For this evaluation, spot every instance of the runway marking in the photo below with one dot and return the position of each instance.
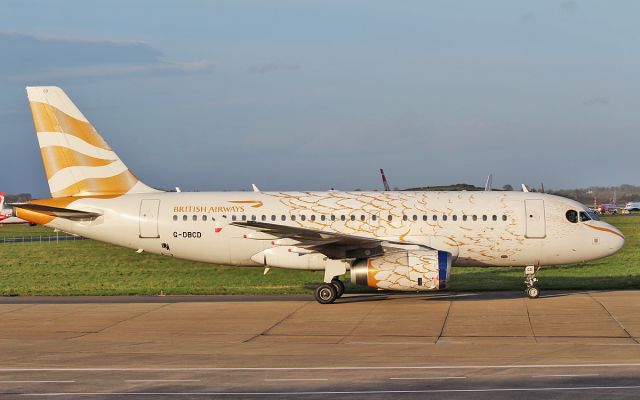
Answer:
(346, 368)
(37, 381)
(295, 379)
(162, 380)
(431, 377)
(563, 376)
(483, 390)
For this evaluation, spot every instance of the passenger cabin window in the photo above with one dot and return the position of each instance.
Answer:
(464, 217)
(313, 217)
(362, 217)
(293, 217)
(204, 217)
(303, 217)
(390, 218)
(184, 217)
(195, 217)
(504, 217)
(353, 217)
(175, 217)
(404, 217)
(264, 218)
(455, 217)
(343, 218)
(424, 217)
(494, 217)
(244, 217)
(273, 217)
(333, 217)
(484, 217)
(283, 217)
(253, 218)
(444, 217)
(435, 217)
(322, 217)
(415, 217)
(373, 217)
(233, 217)
(475, 217)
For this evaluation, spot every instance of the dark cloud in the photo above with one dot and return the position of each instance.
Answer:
(271, 67)
(596, 101)
(37, 57)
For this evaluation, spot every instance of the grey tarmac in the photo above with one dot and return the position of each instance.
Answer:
(454, 346)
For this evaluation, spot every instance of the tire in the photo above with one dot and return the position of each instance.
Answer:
(533, 292)
(326, 293)
(339, 287)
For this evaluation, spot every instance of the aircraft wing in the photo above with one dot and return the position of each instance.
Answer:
(310, 237)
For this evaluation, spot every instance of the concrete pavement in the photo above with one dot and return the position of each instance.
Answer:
(579, 344)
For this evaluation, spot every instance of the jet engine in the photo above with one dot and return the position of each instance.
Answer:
(411, 269)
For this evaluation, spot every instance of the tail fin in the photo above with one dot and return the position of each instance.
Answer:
(2, 194)
(78, 162)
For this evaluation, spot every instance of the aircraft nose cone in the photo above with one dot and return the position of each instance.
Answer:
(615, 239)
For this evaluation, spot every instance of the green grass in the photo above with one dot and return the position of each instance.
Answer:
(93, 268)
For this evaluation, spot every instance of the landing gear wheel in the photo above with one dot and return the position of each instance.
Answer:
(533, 292)
(339, 287)
(326, 293)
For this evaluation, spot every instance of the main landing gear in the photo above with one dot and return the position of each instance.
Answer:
(530, 280)
(327, 293)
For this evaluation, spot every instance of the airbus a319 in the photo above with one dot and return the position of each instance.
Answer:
(405, 241)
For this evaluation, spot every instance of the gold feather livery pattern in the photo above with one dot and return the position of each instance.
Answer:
(77, 160)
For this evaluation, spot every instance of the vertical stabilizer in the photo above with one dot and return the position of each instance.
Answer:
(77, 160)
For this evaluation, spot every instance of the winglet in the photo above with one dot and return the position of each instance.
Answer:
(254, 187)
(525, 188)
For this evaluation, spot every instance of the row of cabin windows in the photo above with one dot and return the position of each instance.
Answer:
(362, 217)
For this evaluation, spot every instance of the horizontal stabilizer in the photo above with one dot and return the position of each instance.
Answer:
(59, 212)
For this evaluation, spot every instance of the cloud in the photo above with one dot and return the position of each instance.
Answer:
(596, 101)
(42, 57)
(271, 67)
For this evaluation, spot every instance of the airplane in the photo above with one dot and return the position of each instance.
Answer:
(6, 214)
(609, 208)
(632, 206)
(402, 241)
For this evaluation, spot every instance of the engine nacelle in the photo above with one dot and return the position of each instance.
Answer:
(415, 269)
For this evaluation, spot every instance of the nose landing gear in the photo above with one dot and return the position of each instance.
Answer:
(530, 280)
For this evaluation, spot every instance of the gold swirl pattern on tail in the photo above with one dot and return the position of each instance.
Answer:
(77, 160)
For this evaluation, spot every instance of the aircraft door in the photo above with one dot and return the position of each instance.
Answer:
(149, 210)
(536, 224)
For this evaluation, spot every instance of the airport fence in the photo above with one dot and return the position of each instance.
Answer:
(40, 239)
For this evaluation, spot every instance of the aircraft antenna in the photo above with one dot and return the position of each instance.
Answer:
(384, 181)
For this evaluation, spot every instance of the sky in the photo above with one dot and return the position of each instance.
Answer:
(312, 95)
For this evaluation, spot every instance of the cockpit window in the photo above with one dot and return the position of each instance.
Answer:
(592, 215)
(584, 216)
(572, 216)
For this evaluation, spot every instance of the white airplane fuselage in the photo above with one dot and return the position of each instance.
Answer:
(477, 228)
(388, 240)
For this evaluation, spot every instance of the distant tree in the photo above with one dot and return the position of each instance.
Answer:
(507, 187)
